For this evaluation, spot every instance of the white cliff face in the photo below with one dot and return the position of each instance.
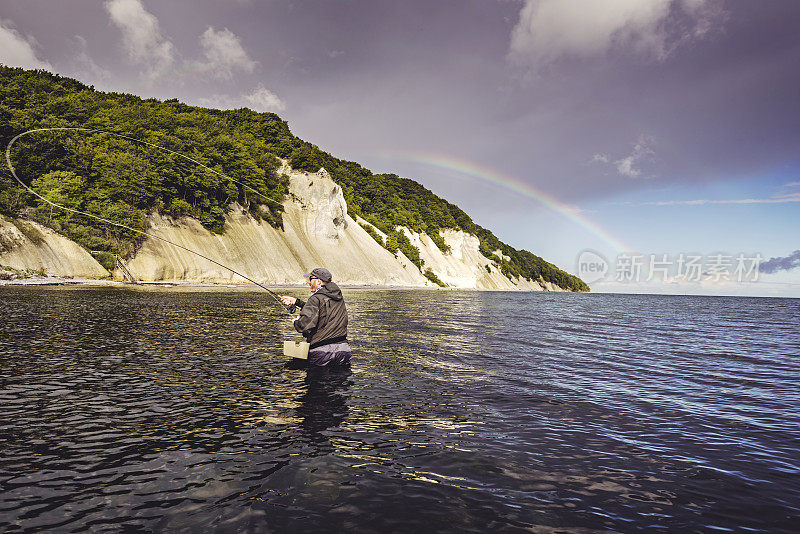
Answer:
(42, 249)
(317, 232)
(320, 196)
(464, 266)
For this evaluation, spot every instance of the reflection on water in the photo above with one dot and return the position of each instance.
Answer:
(323, 404)
(172, 410)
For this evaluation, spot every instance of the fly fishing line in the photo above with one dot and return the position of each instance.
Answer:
(126, 227)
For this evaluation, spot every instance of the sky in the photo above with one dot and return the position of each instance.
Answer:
(643, 135)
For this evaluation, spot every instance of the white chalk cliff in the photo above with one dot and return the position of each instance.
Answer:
(317, 232)
(26, 245)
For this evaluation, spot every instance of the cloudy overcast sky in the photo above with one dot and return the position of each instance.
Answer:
(650, 126)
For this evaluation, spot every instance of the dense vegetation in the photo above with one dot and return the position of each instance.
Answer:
(124, 181)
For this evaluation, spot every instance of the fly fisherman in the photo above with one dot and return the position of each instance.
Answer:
(323, 320)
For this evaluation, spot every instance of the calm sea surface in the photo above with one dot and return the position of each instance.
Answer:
(172, 410)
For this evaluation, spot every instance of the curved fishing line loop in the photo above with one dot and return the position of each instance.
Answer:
(120, 225)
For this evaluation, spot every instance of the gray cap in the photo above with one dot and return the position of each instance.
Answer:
(322, 273)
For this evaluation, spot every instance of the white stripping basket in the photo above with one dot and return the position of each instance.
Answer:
(296, 349)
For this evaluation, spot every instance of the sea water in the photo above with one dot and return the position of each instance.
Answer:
(173, 410)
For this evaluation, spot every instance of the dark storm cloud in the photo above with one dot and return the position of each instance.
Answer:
(719, 107)
(787, 263)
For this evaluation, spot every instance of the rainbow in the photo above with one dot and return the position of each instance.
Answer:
(475, 170)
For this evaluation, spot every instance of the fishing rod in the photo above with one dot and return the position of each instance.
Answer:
(120, 225)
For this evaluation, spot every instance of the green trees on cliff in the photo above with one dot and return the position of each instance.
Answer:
(124, 181)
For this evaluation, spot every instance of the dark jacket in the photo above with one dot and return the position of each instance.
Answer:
(323, 318)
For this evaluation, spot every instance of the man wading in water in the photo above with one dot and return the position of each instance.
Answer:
(323, 320)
